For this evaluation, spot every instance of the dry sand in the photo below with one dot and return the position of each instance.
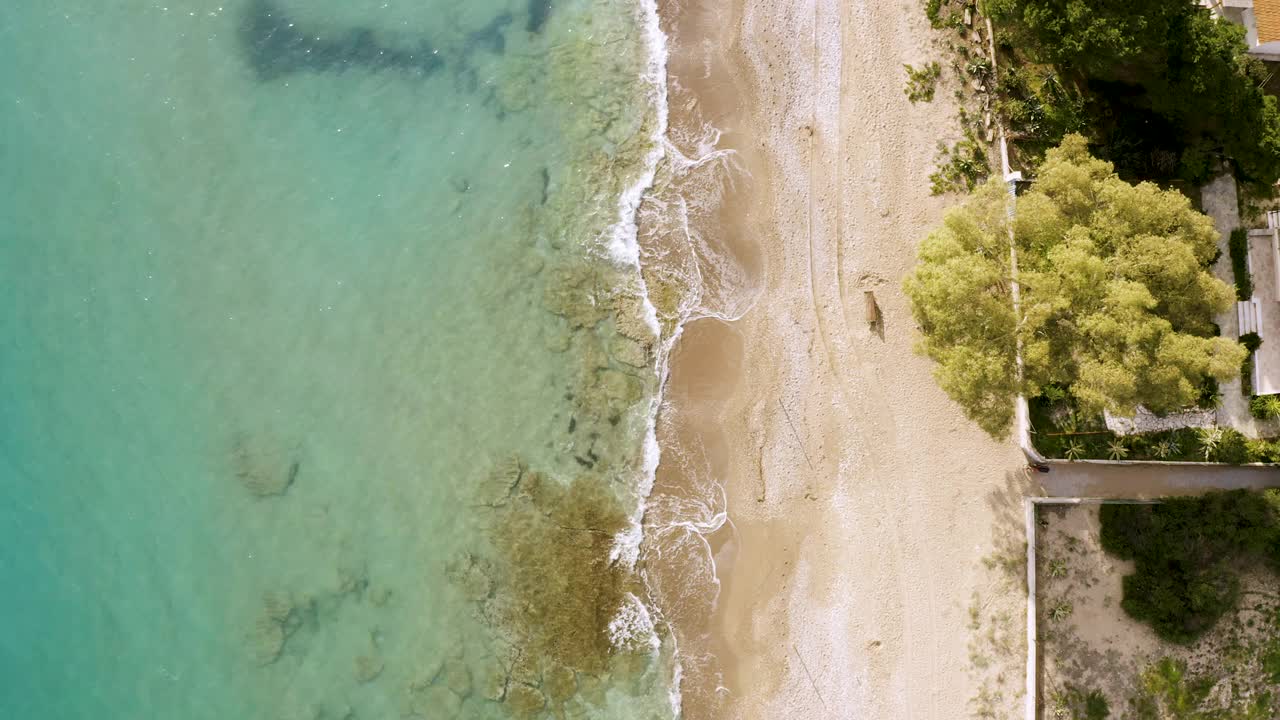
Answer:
(861, 503)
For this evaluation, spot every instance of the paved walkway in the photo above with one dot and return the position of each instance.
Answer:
(1145, 480)
(1220, 202)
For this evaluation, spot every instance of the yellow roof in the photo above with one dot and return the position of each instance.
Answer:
(1267, 15)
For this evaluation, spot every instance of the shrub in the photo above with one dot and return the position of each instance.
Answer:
(1271, 662)
(1060, 611)
(1263, 451)
(1080, 704)
(1165, 448)
(1209, 439)
(1095, 706)
(1210, 394)
(1251, 341)
(1265, 407)
(1232, 448)
(961, 168)
(1185, 551)
(922, 83)
(944, 13)
(1238, 246)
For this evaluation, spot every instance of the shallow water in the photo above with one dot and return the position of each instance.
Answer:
(312, 355)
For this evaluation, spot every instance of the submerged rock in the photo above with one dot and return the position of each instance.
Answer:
(619, 388)
(427, 676)
(496, 488)
(575, 293)
(268, 640)
(560, 684)
(592, 690)
(277, 606)
(558, 341)
(555, 583)
(457, 677)
(379, 596)
(435, 702)
(367, 668)
(263, 470)
(494, 684)
(629, 352)
(352, 580)
(524, 701)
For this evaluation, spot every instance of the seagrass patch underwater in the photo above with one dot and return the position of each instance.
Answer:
(325, 391)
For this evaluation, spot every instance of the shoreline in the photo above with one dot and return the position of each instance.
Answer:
(860, 504)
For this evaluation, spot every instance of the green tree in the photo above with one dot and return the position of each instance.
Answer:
(1117, 301)
(1168, 89)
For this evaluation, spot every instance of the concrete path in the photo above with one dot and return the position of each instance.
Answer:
(1147, 480)
(1220, 202)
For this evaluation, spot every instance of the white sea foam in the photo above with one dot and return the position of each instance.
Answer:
(693, 521)
(633, 621)
(632, 628)
(621, 242)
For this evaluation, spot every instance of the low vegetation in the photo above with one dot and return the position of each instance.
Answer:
(1117, 299)
(961, 168)
(1238, 246)
(922, 83)
(1060, 430)
(1169, 691)
(1251, 343)
(1079, 704)
(1187, 552)
(1265, 407)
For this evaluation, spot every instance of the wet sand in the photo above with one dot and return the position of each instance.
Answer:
(861, 504)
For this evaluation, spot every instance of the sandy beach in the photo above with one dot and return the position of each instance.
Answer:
(868, 564)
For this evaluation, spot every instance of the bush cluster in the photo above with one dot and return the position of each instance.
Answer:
(1186, 551)
(1238, 246)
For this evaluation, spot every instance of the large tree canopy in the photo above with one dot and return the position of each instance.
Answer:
(1167, 88)
(1117, 301)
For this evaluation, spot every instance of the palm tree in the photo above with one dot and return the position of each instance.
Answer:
(1210, 438)
(1166, 448)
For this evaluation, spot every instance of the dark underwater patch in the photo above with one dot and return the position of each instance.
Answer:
(539, 12)
(491, 36)
(275, 46)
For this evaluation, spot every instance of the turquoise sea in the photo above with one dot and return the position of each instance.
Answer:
(326, 371)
